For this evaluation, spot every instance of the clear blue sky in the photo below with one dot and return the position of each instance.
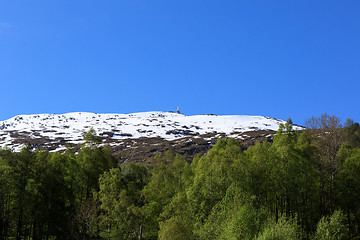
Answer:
(281, 59)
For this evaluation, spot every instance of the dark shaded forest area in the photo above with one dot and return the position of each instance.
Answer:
(303, 185)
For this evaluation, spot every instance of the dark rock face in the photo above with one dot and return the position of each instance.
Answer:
(181, 132)
(142, 150)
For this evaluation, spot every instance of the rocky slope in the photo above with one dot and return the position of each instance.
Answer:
(137, 136)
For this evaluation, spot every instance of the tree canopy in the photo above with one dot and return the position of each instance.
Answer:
(303, 185)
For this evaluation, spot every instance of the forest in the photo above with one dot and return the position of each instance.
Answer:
(302, 185)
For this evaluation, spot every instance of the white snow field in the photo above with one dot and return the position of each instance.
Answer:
(167, 125)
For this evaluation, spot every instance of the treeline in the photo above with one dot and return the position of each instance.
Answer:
(304, 185)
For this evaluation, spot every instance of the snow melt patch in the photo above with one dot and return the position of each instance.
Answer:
(166, 125)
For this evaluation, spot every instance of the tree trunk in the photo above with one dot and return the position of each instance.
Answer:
(140, 233)
(19, 226)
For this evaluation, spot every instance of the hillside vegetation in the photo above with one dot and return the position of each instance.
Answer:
(303, 185)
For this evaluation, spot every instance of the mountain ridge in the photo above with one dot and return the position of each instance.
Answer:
(55, 132)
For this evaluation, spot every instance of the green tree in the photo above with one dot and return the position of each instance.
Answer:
(171, 176)
(331, 228)
(174, 229)
(213, 174)
(91, 162)
(348, 186)
(234, 217)
(178, 209)
(6, 193)
(352, 130)
(23, 171)
(85, 169)
(122, 201)
(244, 222)
(255, 174)
(328, 135)
(91, 138)
(295, 176)
(282, 229)
(50, 196)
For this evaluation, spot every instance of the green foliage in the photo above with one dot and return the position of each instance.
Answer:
(89, 164)
(281, 190)
(179, 208)
(121, 200)
(352, 130)
(255, 173)
(165, 190)
(7, 187)
(112, 204)
(279, 230)
(348, 186)
(234, 217)
(331, 228)
(91, 139)
(244, 223)
(174, 229)
(213, 174)
(171, 175)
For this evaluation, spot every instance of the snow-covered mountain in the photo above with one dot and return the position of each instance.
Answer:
(60, 129)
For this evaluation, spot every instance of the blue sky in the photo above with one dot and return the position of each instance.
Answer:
(275, 58)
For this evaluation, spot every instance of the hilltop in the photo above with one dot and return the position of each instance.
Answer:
(136, 136)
